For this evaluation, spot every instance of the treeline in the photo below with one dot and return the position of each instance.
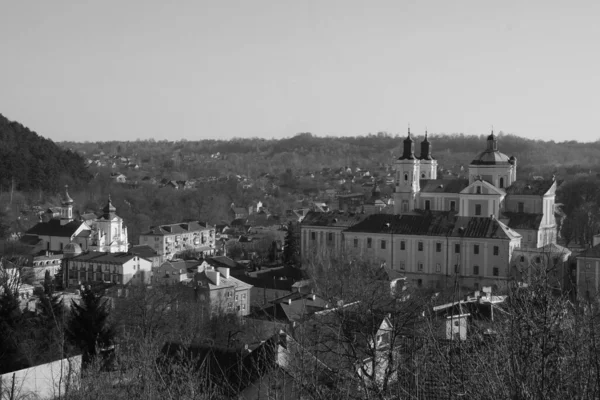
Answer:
(30, 162)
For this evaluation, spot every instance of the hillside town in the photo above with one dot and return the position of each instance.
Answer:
(438, 262)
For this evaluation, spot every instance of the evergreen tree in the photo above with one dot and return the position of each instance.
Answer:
(10, 326)
(291, 249)
(89, 327)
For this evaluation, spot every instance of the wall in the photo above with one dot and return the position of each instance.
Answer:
(46, 381)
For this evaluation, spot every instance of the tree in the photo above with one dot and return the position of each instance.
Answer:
(89, 327)
(291, 247)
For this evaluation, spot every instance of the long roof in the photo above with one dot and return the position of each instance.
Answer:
(183, 227)
(523, 220)
(105, 258)
(333, 218)
(443, 185)
(54, 228)
(435, 223)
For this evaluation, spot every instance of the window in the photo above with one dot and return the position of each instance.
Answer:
(522, 258)
(330, 236)
(456, 268)
(495, 271)
(438, 267)
(404, 206)
(452, 206)
(420, 246)
(587, 265)
(476, 249)
(538, 260)
(236, 297)
(476, 270)
(478, 190)
(355, 242)
(438, 247)
(477, 209)
(521, 206)
(313, 235)
(420, 266)
(476, 285)
(369, 242)
(244, 296)
(496, 250)
(402, 245)
(402, 265)
(405, 177)
(383, 245)
(457, 248)
(243, 306)
(501, 182)
(427, 204)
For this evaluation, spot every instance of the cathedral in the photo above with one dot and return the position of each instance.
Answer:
(479, 229)
(492, 189)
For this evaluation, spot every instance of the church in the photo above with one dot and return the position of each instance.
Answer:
(445, 228)
(104, 233)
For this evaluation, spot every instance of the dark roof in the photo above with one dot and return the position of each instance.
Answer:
(143, 251)
(222, 261)
(183, 227)
(523, 220)
(31, 240)
(434, 223)
(535, 187)
(54, 228)
(592, 252)
(333, 219)
(443, 185)
(102, 257)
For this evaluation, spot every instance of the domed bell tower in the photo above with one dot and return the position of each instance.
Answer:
(428, 164)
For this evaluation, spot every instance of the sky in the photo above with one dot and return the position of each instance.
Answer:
(199, 69)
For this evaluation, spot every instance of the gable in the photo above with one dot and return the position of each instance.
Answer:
(485, 187)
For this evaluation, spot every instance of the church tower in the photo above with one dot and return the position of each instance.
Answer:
(109, 235)
(428, 164)
(66, 210)
(407, 169)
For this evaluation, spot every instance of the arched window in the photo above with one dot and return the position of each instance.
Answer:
(423, 175)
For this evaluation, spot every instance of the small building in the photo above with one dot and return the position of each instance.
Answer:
(116, 268)
(174, 272)
(219, 292)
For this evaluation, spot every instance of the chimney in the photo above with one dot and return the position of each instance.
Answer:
(313, 297)
(289, 301)
(214, 276)
(224, 271)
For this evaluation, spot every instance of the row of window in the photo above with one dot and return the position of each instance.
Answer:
(420, 246)
(438, 268)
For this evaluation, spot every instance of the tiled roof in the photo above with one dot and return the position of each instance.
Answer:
(54, 228)
(443, 185)
(102, 257)
(523, 220)
(333, 219)
(435, 223)
(183, 227)
(536, 187)
(222, 261)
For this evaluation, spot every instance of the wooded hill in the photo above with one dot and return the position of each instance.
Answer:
(30, 162)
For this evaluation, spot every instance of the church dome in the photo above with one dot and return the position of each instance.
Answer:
(72, 250)
(491, 155)
(109, 210)
(66, 199)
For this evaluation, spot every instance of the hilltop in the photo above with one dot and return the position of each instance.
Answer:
(30, 162)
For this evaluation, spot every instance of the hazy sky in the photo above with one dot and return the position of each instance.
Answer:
(128, 69)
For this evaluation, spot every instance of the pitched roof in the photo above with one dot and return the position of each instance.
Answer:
(54, 228)
(333, 218)
(435, 223)
(222, 261)
(592, 252)
(535, 187)
(223, 282)
(523, 220)
(143, 251)
(102, 257)
(443, 185)
(183, 227)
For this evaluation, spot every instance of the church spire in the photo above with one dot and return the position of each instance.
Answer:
(426, 148)
(409, 148)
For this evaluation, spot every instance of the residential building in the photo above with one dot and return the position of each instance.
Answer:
(175, 272)
(219, 292)
(169, 240)
(116, 268)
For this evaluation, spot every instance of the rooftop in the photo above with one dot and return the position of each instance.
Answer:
(183, 227)
(333, 219)
(443, 185)
(534, 187)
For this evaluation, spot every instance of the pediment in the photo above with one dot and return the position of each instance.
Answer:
(486, 189)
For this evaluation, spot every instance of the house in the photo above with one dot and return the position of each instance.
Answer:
(217, 262)
(238, 212)
(291, 309)
(115, 268)
(46, 261)
(118, 177)
(351, 201)
(146, 252)
(219, 292)
(172, 239)
(551, 260)
(174, 272)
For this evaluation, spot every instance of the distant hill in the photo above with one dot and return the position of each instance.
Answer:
(31, 162)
